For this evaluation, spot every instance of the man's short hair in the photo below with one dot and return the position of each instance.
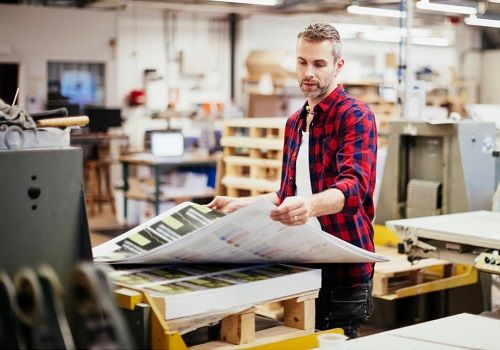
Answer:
(323, 31)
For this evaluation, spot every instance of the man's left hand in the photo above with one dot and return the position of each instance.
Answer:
(294, 211)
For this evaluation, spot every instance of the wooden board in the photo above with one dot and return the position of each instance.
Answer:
(238, 160)
(62, 122)
(239, 329)
(256, 122)
(265, 336)
(400, 273)
(252, 142)
(400, 263)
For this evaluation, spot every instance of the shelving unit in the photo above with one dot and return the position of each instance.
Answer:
(252, 155)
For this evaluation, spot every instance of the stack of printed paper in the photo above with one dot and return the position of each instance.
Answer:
(197, 289)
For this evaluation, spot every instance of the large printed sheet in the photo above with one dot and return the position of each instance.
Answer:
(191, 233)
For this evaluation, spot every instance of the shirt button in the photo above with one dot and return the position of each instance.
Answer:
(290, 177)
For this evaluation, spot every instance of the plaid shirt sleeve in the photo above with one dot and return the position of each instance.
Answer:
(355, 157)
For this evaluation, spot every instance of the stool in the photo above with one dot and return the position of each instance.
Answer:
(97, 172)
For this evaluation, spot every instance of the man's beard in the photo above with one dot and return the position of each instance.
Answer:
(319, 92)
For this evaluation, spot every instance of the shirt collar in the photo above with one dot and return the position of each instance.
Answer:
(325, 104)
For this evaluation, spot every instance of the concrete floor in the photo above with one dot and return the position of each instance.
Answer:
(102, 222)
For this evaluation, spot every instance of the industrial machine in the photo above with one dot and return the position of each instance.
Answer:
(434, 169)
(467, 238)
(42, 209)
(43, 235)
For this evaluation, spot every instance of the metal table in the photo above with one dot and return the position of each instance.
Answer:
(158, 164)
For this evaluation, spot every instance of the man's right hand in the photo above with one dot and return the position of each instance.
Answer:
(226, 204)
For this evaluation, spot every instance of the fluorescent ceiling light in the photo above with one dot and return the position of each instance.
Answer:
(430, 41)
(395, 31)
(482, 22)
(252, 2)
(382, 38)
(464, 10)
(375, 11)
(348, 28)
(390, 34)
(426, 41)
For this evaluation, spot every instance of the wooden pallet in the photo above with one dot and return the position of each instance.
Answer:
(390, 281)
(237, 330)
(399, 278)
(252, 155)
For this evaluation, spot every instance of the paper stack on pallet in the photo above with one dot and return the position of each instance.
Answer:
(199, 289)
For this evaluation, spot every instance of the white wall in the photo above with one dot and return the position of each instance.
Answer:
(147, 38)
(36, 35)
(279, 33)
(469, 61)
(127, 41)
(490, 77)
(141, 45)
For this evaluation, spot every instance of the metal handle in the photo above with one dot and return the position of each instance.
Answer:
(8, 132)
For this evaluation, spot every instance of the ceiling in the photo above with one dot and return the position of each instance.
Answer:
(284, 6)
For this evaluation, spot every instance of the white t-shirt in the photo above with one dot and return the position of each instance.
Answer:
(302, 175)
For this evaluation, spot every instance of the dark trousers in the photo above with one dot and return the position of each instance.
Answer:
(346, 308)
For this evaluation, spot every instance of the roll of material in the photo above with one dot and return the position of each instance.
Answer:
(100, 323)
(422, 198)
(10, 331)
(39, 309)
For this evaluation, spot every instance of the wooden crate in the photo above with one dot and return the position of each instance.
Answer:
(237, 330)
(252, 155)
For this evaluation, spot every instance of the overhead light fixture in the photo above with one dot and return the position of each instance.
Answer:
(464, 10)
(375, 11)
(252, 2)
(389, 38)
(430, 41)
(384, 30)
(482, 22)
(381, 38)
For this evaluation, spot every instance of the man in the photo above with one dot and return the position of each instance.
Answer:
(328, 176)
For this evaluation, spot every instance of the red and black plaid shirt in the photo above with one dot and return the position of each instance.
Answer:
(342, 155)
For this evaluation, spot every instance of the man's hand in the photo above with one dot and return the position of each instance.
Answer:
(294, 211)
(226, 204)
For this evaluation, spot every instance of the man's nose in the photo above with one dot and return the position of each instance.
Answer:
(309, 72)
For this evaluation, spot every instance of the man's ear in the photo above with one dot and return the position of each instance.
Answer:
(339, 65)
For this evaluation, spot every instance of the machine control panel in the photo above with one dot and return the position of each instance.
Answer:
(488, 262)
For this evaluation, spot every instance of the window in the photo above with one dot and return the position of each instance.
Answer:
(76, 83)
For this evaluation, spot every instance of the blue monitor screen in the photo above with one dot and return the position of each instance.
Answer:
(79, 87)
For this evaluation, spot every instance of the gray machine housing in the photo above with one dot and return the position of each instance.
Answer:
(457, 155)
(42, 210)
